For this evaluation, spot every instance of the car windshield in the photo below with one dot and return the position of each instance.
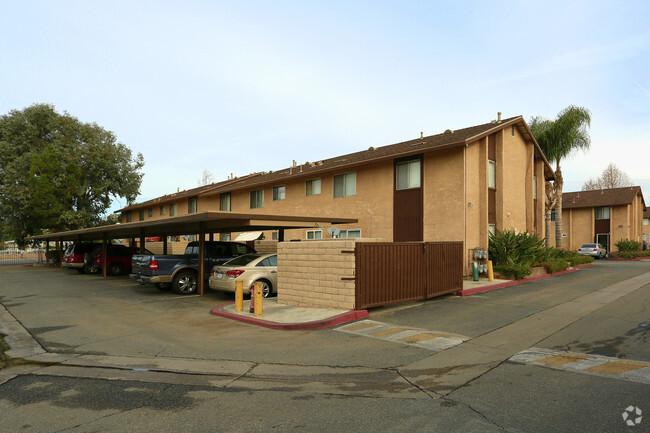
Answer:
(588, 246)
(243, 260)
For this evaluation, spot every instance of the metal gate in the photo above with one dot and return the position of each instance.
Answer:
(392, 272)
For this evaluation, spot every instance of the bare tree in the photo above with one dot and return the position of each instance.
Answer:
(206, 178)
(611, 177)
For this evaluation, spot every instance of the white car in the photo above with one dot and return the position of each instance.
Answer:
(593, 250)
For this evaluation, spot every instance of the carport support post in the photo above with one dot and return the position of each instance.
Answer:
(141, 241)
(47, 253)
(104, 254)
(281, 235)
(165, 245)
(201, 257)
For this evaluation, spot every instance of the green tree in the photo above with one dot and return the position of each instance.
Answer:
(558, 139)
(57, 173)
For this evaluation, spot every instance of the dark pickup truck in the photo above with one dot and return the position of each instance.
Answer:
(181, 271)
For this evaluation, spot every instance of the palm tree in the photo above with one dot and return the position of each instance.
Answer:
(558, 139)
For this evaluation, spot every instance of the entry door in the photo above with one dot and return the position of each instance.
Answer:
(603, 239)
(408, 214)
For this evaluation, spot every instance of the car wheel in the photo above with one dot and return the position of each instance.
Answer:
(185, 283)
(267, 288)
(115, 269)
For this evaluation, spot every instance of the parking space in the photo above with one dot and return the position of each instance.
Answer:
(78, 313)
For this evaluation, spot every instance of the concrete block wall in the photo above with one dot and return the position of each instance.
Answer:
(266, 246)
(318, 273)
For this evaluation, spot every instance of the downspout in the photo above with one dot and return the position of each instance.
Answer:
(465, 204)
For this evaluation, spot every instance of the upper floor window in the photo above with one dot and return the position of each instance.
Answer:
(257, 199)
(345, 184)
(492, 174)
(646, 221)
(172, 209)
(278, 193)
(150, 212)
(312, 187)
(128, 216)
(225, 202)
(602, 212)
(191, 205)
(162, 210)
(141, 215)
(408, 174)
(535, 187)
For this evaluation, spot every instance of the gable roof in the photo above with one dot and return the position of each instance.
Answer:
(601, 197)
(445, 140)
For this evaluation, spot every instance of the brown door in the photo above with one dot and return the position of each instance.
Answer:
(408, 214)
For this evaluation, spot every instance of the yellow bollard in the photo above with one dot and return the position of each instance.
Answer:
(490, 271)
(258, 299)
(239, 295)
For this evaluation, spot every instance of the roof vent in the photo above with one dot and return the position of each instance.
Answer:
(449, 131)
(499, 117)
(319, 163)
(371, 148)
(421, 134)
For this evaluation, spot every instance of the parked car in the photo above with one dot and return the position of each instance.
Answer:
(594, 250)
(74, 256)
(181, 271)
(118, 259)
(249, 269)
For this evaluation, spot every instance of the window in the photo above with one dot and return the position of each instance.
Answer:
(492, 229)
(553, 215)
(275, 235)
(128, 216)
(407, 174)
(191, 205)
(269, 261)
(225, 202)
(162, 210)
(312, 187)
(257, 199)
(278, 193)
(225, 237)
(345, 185)
(602, 213)
(646, 221)
(350, 233)
(535, 187)
(172, 209)
(492, 174)
(314, 234)
(150, 212)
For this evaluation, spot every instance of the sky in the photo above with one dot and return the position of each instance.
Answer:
(247, 86)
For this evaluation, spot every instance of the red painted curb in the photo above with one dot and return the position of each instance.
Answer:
(304, 326)
(517, 282)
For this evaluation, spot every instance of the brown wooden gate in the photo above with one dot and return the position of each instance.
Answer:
(392, 272)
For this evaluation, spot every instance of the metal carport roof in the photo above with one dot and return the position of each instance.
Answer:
(207, 222)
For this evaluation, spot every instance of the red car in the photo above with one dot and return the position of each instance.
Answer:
(118, 260)
(74, 256)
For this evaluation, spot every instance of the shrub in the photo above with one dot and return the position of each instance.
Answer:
(628, 246)
(580, 260)
(54, 255)
(510, 248)
(519, 272)
(556, 265)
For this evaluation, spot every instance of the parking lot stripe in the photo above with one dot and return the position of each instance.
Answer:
(562, 359)
(360, 326)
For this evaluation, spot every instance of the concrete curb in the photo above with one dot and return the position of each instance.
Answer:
(469, 292)
(349, 316)
(628, 260)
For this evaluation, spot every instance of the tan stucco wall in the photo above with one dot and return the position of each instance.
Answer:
(579, 228)
(514, 182)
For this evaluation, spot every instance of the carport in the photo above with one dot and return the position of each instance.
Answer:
(205, 223)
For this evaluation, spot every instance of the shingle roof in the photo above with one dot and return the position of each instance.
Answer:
(441, 141)
(601, 197)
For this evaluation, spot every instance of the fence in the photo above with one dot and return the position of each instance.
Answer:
(392, 272)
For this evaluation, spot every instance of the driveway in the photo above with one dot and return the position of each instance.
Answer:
(478, 363)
